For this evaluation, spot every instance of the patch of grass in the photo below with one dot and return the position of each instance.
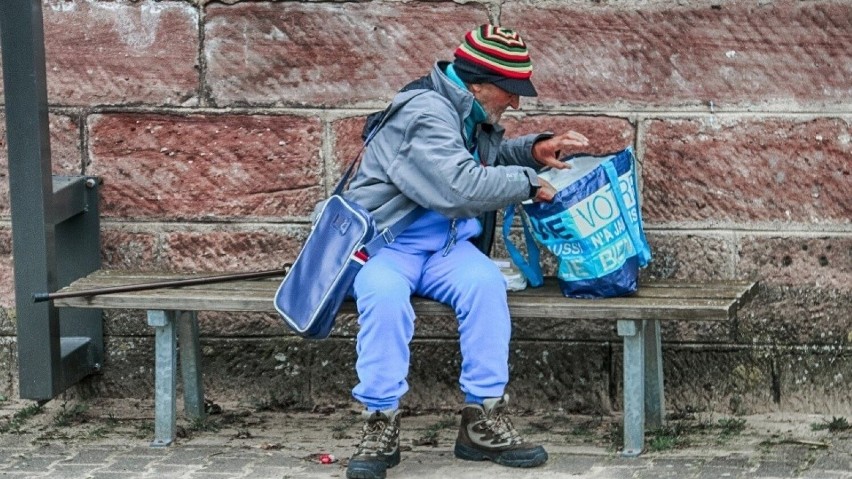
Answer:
(837, 424)
(20, 418)
(668, 437)
(731, 426)
(74, 415)
(205, 424)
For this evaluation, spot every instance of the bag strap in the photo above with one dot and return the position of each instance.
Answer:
(344, 180)
(389, 234)
(530, 269)
(641, 247)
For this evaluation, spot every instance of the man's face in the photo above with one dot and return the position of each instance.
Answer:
(494, 100)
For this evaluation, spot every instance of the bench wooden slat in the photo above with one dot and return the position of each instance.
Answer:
(653, 301)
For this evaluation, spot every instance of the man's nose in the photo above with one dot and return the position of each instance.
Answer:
(515, 101)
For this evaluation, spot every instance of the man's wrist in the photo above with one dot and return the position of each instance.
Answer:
(534, 185)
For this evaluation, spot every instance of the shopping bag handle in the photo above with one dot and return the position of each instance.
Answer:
(641, 246)
(530, 269)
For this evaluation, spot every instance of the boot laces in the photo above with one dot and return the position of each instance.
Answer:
(377, 436)
(502, 426)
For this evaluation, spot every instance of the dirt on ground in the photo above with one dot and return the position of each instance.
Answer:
(130, 421)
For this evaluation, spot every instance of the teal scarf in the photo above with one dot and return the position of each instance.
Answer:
(477, 115)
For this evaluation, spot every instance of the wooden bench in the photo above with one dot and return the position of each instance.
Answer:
(173, 314)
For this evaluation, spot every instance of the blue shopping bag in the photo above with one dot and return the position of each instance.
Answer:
(593, 226)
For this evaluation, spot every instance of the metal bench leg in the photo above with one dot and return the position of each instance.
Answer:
(655, 402)
(190, 365)
(634, 387)
(164, 376)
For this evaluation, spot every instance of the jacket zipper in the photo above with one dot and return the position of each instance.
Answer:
(451, 237)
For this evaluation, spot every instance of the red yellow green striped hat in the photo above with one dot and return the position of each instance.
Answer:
(493, 54)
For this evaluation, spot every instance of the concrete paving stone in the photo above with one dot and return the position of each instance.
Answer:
(160, 470)
(574, 465)
(69, 471)
(833, 462)
(90, 456)
(125, 463)
(188, 456)
(34, 463)
(226, 464)
(775, 469)
(721, 472)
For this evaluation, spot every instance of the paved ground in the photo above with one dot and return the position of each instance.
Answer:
(110, 440)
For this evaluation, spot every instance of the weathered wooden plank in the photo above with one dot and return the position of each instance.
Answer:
(665, 300)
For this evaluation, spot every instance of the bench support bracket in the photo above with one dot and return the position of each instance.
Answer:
(644, 402)
(168, 326)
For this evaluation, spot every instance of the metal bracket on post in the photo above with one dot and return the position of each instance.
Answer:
(55, 224)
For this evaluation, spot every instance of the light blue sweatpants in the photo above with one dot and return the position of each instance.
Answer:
(465, 279)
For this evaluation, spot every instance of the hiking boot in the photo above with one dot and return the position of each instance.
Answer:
(486, 433)
(379, 447)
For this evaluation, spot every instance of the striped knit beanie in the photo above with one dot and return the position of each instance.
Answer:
(493, 54)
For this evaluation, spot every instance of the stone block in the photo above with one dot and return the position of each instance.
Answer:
(747, 171)
(815, 379)
(207, 167)
(687, 54)
(107, 53)
(327, 54)
(789, 315)
(823, 262)
(710, 378)
(65, 156)
(8, 367)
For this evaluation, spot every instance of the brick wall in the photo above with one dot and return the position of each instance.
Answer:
(217, 126)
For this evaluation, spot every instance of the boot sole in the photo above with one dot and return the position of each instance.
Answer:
(533, 458)
(363, 470)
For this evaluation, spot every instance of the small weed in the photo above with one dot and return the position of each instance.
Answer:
(198, 425)
(662, 443)
(73, 415)
(668, 437)
(837, 424)
(144, 429)
(731, 426)
(99, 432)
(20, 418)
(430, 437)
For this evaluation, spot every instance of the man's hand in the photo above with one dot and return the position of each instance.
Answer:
(545, 192)
(548, 152)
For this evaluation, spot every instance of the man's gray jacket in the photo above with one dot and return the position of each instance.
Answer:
(419, 157)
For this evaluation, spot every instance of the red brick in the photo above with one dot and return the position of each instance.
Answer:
(64, 153)
(333, 54)
(659, 53)
(129, 250)
(605, 134)
(232, 251)
(747, 170)
(207, 166)
(109, 53)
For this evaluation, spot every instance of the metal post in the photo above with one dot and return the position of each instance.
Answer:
(165, 376)
(634, 387)
(54, 220)
(190, 365)
(655, 403)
